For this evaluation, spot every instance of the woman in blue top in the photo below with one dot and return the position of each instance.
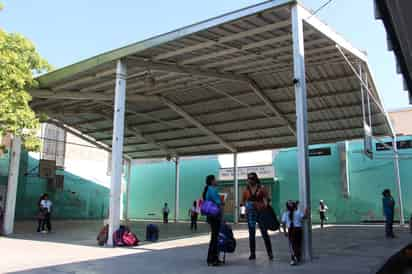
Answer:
(210, 194)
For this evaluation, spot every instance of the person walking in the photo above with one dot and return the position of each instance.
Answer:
(292, 219)
(211, 194)
(46, 207)
(388, 204)
(193, 214)
(255, 198)
(323, 208)
(165, 211)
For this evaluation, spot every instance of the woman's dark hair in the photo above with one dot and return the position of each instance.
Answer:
(209, 179)
(253, 176)
(194, 203)
(40, 199)
(386, 192)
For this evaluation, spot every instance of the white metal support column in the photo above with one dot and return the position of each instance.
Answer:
(128, 182)
(398, 179)
(236, 189)
(8, 222)
(117, 148)
(302, 126)
(177, 189)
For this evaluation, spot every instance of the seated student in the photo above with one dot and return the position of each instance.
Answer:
(292, 219)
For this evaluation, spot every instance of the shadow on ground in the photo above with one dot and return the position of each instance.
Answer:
(347, 249)
(80, 232)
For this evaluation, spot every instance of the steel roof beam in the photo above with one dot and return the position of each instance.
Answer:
(259, 92)
(175, 68)
(224, 39)
(137, 133)
(195, 122)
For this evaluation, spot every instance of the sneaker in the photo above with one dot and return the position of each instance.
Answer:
(292, 262)
(44, 231)
(252, 257)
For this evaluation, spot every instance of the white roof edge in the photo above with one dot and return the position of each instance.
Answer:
(315, 22)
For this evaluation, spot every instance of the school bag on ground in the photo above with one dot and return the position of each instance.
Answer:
(103, 235)
(118, 236)
(226, 240)
(267, 217)
(152, 233)
(130, 239)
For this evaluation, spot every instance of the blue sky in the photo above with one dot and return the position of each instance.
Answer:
(68, 31)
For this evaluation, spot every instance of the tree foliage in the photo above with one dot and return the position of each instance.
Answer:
(19, 61)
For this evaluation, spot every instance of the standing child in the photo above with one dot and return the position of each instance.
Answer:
(323, 208)
(292, 219)
(193, 213)
(388, 204)
(46, 207)
(165, 211)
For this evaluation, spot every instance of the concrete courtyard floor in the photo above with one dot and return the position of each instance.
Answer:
(72, 249)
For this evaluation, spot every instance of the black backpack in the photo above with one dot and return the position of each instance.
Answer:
(152, 233)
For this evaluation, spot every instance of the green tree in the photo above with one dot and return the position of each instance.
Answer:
(19, 62)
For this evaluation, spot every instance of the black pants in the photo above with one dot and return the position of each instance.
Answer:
(295, 242)
(44, 223)
(322, 219)
(213, 253)
(193, 222)
(389, 226)
(165, 218)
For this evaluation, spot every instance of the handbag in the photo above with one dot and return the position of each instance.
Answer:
(267, 217)
(209, 208)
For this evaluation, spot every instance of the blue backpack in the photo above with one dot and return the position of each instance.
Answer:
(226, 240)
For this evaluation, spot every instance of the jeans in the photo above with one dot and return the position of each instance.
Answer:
(213, 253)
(253, 218)
(389, 226)
(165, 218)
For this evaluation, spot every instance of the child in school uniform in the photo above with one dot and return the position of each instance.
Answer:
(292, 219)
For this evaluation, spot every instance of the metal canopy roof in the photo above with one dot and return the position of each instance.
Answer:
(219, 86)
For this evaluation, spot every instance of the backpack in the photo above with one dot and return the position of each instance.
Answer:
(118, 236)
(226, 240)
(152, 233)
(130, 239)
(103, 235)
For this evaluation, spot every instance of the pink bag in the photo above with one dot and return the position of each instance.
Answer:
(130, 239)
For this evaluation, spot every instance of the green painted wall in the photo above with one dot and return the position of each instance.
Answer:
(153, 184)
(80, 198)
(367, 179)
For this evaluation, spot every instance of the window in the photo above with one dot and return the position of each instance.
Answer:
(405, 144)
(54, 144)
(324, 151)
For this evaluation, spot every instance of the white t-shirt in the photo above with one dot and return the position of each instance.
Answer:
(243, 210)
(46, 204)
(297, 218)
(324, 209)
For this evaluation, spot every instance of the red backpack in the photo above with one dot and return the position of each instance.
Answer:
(130, 239)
